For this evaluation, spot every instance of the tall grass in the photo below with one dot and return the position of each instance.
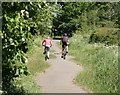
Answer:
(100, 65)
(36, 57)
(36, 65)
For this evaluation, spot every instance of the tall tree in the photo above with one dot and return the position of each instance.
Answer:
(84, 15)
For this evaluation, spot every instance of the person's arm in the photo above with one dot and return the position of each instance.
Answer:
(68, 42)
(51, 43)
(43, 42)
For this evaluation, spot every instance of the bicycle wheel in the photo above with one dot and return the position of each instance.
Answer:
(45, 56)
(64, 57)
(64, 53)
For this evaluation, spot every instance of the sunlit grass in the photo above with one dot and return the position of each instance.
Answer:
(100, 65)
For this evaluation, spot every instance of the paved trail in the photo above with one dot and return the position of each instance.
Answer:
(59, 79)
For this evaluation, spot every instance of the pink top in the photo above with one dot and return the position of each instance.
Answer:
(47, 42)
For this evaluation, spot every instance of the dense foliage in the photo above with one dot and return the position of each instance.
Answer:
(15, 29)
(21, 21)
(85, 16)
(109, 37)
(100, 74)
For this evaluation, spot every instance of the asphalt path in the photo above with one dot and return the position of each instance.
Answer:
(60, 77)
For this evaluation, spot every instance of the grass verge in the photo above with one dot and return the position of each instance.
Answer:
(100, 64)
(36, 65)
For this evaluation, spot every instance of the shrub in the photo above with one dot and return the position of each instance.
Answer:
(109, 37)
(100, 64)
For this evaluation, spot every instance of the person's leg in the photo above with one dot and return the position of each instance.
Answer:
(44, 50)
(67, 48)
(62, 50)
(62, 47)
(48, 52)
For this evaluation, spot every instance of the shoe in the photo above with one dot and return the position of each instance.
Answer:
(48, 57)
(62, 56)
(44, 52)
(66, 51)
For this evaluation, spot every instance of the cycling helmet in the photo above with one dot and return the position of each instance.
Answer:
(64, 34)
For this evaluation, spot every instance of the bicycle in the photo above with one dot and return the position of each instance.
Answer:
(64, 53)
(46, 53)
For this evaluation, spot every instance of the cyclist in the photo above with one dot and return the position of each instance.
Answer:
(64, 41)
(47, 43)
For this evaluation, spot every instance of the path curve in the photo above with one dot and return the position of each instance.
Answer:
(59, 79)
